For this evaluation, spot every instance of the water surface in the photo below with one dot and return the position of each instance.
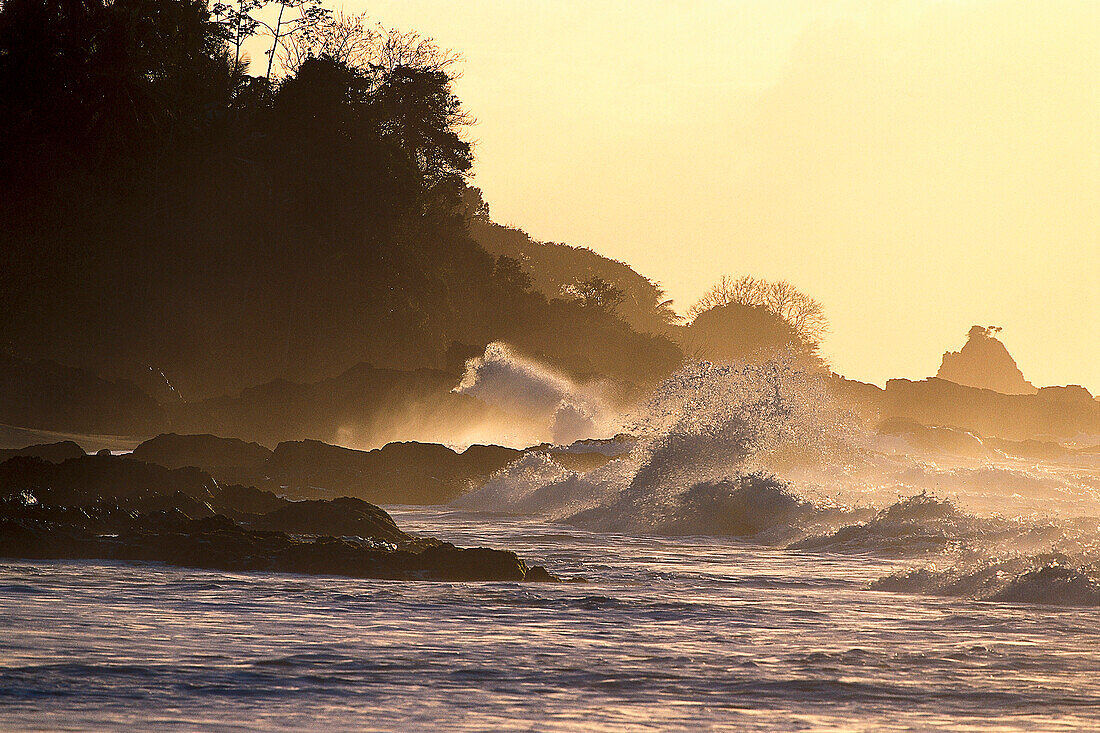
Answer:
(669, 633)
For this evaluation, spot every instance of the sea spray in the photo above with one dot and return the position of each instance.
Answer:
(705, 438)
(762, 451)
(531, 390)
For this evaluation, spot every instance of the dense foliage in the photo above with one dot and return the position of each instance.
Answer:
(168, 213)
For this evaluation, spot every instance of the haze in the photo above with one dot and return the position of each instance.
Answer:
(918, 167)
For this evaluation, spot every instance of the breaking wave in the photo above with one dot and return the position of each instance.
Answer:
(531, 390)
(1047, 578)
(762, 452)
(698, 464)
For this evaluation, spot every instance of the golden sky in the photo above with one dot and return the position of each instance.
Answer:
(919, 167)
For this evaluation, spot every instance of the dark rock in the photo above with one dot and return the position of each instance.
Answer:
(208, 452)
(49, 396)
(216, 542)
(116, 508)
(235, 501)
(398, 473)
(344, 516)
(52, 452)
(83, 480)
(539, 574)
(479, 563)
(364, 405)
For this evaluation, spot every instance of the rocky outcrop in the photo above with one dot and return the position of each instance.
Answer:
(45, 395)
(229, 460)
(113, 508)
(51, 452)
(204, 451)
(83, 480)
(218, 543)
(338, 517)
(1052, 413)
(363, 405)
(398, 473)
(936, 440)
(984, 362)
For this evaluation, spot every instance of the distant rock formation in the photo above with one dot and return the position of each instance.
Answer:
(364, 406)
(45, 395)
(51, 452)
(226, 459)
(984, 362)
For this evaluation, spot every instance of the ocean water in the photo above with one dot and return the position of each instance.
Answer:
(669, 633)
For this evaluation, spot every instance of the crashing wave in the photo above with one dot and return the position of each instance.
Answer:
(524, 387)
(697, 465)
(1049, 578)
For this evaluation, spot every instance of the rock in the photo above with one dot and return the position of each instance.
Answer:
(236, 501)
(218, 456)
(985, 363)
(216, 542)
(51, 452)
(1050, 413)
(118, 508)
(539, 574)
(398, 473)
(344, 516)
(937, 440)
(85, 479)
(46, 395)
(364, 405)
(1047, 450)
(448, 562)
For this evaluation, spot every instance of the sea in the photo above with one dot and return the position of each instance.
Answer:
(747, 558)
(685, 633)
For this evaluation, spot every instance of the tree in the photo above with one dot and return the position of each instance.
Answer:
(509, 272)
(243, 20)
(341, 36)
(595, 292)
(805, 314)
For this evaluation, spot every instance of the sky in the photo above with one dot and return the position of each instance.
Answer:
(919, 167)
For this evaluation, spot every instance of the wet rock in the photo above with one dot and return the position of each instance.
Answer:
(343, 516)
(107, 507)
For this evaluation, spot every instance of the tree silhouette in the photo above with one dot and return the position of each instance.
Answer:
(595, 292)
(805, 314)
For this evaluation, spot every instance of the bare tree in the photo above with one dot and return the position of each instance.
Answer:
(350, 40)
(342, 37)
(413, 50)
(805, 314)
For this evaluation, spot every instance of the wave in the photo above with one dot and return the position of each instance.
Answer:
(1049, 578)
(524, 387)
(762, 452)
(697, 461)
